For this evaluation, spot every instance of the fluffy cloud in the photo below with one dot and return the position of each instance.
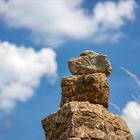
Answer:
(21, 70)
(131, 113)
(54, 21)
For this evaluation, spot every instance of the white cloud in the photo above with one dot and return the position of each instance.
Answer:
(54, 21)
(21, 70)
(131, 113)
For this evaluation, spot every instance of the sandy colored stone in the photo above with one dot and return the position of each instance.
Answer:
(90, 62)
(85, 121)
(73, 138)
(92, 87)
(83, 114)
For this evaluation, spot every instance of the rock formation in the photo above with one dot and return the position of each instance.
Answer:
(83, 114)
(92, 87)
(90, 62)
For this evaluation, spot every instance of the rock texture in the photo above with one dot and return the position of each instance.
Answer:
(93, 88)
(90, 62)
(85, 121)
(83, 114)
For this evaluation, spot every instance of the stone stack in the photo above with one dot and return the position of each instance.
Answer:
(83, 114)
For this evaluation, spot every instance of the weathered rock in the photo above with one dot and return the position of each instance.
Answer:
(83, 114)
(92, 87)
(90, 62)
(85, 121)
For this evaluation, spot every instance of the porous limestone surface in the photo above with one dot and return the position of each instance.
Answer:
(92, 87)
(85, 121)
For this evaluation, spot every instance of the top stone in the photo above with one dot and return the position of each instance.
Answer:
(90, 62)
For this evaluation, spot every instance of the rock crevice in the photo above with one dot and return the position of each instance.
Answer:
(83, 113)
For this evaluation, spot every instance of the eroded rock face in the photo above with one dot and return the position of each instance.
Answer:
(85, 121)
(90, 62)
(93, 88)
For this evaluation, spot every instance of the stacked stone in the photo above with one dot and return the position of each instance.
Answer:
(88, 81)
(83, 114)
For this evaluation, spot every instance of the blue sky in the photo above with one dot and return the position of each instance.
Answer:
(36, 40)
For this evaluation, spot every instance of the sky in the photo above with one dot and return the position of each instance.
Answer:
(36, 40)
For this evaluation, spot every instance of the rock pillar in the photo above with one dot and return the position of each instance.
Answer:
(83, 113)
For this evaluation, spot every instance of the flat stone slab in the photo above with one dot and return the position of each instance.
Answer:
(90, 62)
(92, 87)
(85, 121)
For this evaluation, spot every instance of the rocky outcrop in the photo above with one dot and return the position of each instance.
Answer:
(85, 121)
(83, 114)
